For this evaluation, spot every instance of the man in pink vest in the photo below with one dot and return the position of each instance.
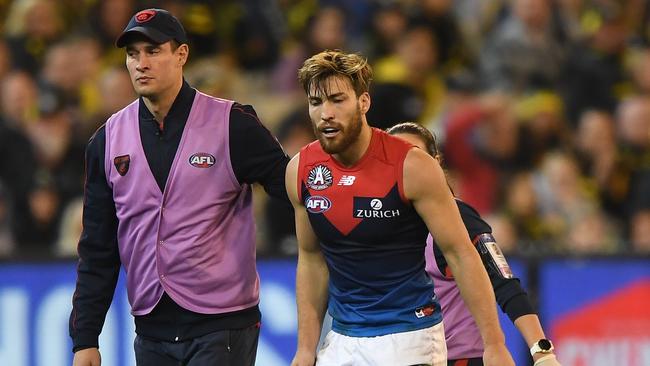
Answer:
(168, 196)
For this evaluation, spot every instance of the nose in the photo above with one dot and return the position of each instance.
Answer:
(143, 62)
(327, 111)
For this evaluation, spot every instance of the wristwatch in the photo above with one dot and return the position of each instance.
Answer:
(541, 346)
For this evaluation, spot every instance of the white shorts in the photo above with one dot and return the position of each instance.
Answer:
(419, 347)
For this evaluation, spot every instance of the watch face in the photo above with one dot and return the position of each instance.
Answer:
(544, 344)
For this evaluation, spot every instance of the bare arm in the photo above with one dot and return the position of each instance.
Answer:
(426, 187)
(531, 329)
(312, 277)
(87, 357)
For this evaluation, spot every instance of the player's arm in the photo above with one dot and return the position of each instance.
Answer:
(510, 296)
(312, 276)
(99, 262)
(255, 154)
(531, 329)
(426, 187)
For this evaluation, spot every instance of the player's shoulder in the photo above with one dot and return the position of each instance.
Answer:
(392, 146)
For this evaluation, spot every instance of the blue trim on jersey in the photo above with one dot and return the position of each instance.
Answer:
(396, 311)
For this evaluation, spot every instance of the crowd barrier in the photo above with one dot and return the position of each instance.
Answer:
(596, 310)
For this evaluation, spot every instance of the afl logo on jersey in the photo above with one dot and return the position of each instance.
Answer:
(202, 160)
(317, 204)
(319, 178)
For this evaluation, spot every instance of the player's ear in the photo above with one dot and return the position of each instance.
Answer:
(364, 102)
(183, 52)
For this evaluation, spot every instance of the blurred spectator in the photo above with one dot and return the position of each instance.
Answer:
(388, 24)
(568, 209)
(438, 16)
(32, 26)
(19, 99)
(640, 72)
(70, 229)
(255, 43)
(633, 130)
(324, 30)
(593, 76)
(293, 133)
(6, 240)
(640, 231)
(480, 145)
(107, 19)
(542, 127)
(521, 209)
(591, 234)
(5, 59)
(407, 86)
(59, 170)
(505, 232)
(599, 157)
(73, 66)
(572, 126)
(477, 19)
(115, 92)
(523, 54)
(17, 167)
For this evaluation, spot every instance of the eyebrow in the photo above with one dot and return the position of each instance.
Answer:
(147, 47)
(331, 96)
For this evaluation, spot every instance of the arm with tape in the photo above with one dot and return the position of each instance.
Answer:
(511, 297)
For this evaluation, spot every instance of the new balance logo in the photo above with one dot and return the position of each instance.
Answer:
(346, 180)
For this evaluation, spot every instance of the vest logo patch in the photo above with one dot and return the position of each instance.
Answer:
(317, 204)
(425, 311)
(202, 160)
(319, 178)
(122, 164)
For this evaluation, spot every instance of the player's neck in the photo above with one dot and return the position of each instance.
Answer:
(357, 150)
(159, 105)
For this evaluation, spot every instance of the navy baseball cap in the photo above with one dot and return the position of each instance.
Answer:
(158, 25)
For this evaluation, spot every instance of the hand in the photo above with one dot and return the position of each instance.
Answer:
(87, 357)
(547, 360)
(497, 355)
(303, 359)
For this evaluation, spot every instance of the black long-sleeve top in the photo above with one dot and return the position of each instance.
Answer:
(256, 157)
(509, 294)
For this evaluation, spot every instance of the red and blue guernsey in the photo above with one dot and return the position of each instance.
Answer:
(372, 238)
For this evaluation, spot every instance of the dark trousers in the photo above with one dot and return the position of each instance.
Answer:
(235, 347)
(466, 362)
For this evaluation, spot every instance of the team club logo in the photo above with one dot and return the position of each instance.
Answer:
(425, 311)
(319, 178)
(122, 163)
(202, 160)
(145, 16)
(317, 204)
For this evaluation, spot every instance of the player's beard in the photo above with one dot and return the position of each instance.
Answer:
(349, 135)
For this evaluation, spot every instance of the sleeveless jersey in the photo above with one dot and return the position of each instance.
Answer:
(372, 238)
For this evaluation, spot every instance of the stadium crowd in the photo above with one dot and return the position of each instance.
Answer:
(542, 106)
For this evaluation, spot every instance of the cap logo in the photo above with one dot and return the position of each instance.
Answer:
(145, 15)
